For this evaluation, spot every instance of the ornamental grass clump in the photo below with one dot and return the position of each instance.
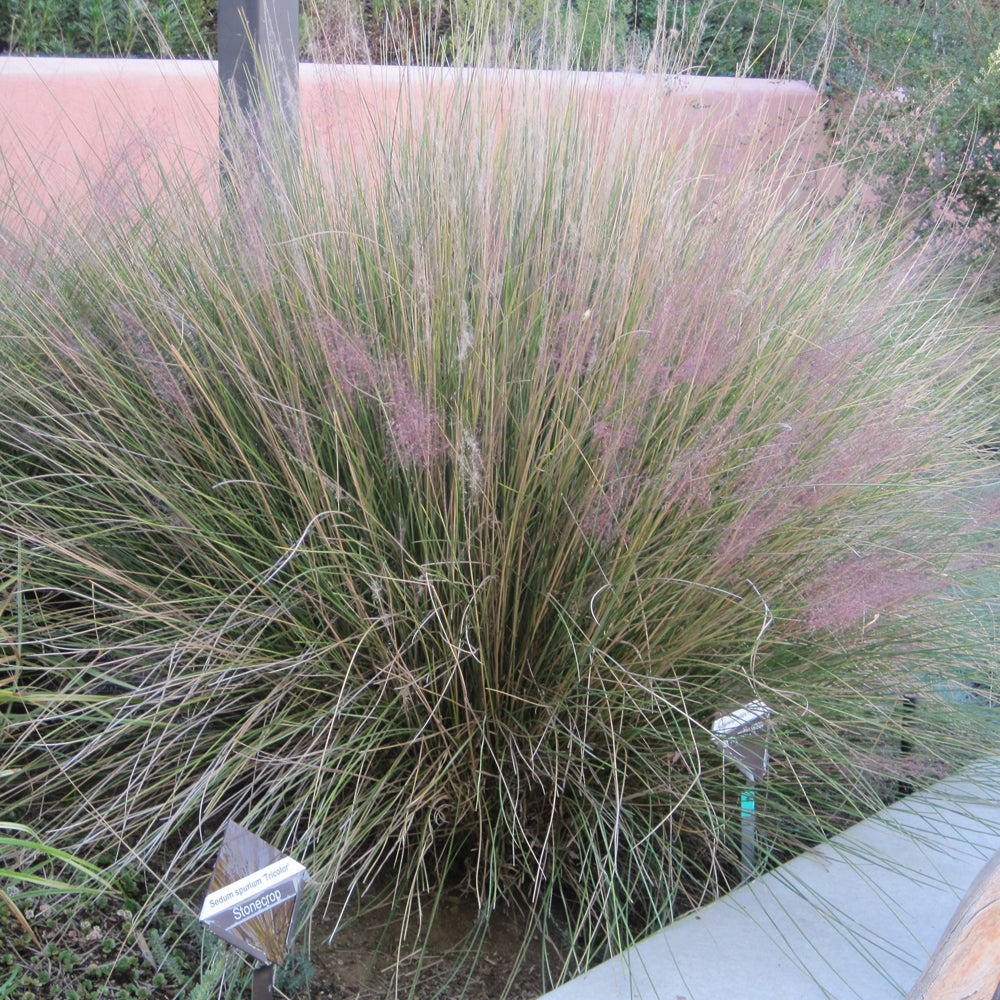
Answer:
(421, 510)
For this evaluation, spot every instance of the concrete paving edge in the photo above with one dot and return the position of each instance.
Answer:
(855, 918)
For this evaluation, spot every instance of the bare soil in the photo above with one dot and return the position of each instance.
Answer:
(361, 959)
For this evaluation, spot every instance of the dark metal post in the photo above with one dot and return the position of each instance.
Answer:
(908, 723)
(263, 983)
(258, 72)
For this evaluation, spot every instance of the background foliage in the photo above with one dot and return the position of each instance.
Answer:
(108, 27)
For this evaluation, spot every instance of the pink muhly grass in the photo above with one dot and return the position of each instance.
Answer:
(688, 481)
(831, 365)
(654, 351)
(295, 430)
(881, 443)
(416, 430)
(988, 513)
(767, 492)
(167, 386)
(16, 258)
(602, 522)
(620, 478)
(758, 518)
(707, 359)
(132, 164)
(352, 368)
(615, 439)
(688, 486)
(888, 761)
(606, 516)
(575, 346)
(695, 330)
(772, 464)
(851, 593)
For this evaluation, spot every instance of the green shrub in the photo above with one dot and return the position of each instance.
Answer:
(927, 77)
(743, 37)
(422, 515)
(108, 27)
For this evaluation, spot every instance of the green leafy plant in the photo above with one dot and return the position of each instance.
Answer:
(132, 941)
(35, 867)
(107, 27)
(422, 510)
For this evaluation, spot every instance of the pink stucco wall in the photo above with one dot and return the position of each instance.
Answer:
(69, 126)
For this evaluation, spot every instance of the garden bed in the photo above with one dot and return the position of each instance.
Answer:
(421, 504)
(100, 952)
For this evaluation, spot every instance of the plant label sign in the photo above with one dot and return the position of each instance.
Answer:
(253, 897)
(742, 738)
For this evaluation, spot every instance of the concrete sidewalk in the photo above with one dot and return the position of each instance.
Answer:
(855, 918)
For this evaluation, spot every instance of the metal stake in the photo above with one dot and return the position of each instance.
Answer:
(742, 737)
(263, 983)
(908, 714)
